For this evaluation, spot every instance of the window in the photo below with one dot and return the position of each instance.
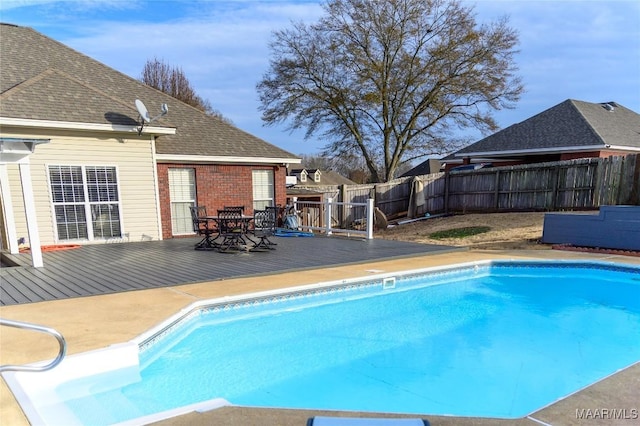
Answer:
(262, 189)
(182, 191)
(85, 201)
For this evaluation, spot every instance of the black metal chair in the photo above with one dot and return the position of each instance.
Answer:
(264, 226)
(205, 228)
(232, 230)
(239, 209)
(275, 213)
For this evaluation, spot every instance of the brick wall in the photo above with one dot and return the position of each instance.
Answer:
(593, 154)
(218, 185)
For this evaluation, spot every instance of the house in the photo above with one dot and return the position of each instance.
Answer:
(571, 129)
(73, 149)
(310, 178)
(302, 176)
(313, 184)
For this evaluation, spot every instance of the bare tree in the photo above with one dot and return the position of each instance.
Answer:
(315, 161)
(173, 82)
(390, 80)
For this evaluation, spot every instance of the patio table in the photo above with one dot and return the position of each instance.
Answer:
(234, 231)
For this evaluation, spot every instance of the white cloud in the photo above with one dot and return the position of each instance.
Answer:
(14, 4)
(223, 52)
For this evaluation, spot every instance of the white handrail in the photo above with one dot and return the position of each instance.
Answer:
(34, 327)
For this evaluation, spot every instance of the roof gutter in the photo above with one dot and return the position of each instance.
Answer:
(544, 150)
(92, 127)
(195, 159)
(622, 148)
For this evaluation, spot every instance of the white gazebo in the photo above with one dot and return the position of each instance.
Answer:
(17, 151)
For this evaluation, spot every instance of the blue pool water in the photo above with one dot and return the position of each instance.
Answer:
(498, 341)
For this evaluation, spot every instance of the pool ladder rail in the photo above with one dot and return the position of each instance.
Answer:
(34, 327)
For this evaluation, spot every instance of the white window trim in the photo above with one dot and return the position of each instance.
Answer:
(193, 200)
(271, 199)
(87, 203)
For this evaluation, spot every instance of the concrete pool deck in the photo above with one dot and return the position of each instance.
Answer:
(96, 322)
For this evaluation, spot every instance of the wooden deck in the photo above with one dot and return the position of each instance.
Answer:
(111, 268)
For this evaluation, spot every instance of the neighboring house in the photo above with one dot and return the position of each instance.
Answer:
(72, 149)
(427, 167)
(312, 184)
(571, 129)
(310, 178)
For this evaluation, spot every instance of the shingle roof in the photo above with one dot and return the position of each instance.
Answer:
(28, 100)
(327, 178)
(428, 166)
(42, 79)
(568, 125)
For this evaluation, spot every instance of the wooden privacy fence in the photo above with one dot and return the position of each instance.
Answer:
(580, 184)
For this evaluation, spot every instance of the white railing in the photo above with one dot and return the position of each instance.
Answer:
(333, 217)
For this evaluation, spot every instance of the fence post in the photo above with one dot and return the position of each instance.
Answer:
(496, 195)
(446, 192)
(370, 219)
(344, 211)
(635, 183)
(327, 216)
(555, 189)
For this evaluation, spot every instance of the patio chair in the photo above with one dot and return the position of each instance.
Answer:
(204, 227)
(264, 226)
(239, 209)
(232, 229)
(275, 214)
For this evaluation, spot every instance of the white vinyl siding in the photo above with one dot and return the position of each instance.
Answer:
(132, 157)
(262, 189)
(182, 191)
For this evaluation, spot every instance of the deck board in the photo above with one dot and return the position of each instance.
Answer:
(110, 268)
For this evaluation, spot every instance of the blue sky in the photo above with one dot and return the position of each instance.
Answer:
(584, 50)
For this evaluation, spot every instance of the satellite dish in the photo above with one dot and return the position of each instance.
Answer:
(144, 114)
(142, 110)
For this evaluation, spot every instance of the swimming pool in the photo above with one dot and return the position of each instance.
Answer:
(460, 340)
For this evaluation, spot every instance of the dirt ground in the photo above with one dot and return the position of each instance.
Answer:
(508, 230)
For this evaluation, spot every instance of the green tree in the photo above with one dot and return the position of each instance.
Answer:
(390, 80)
(173, 82)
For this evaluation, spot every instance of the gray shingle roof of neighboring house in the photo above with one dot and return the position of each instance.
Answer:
(568, 126)
(426, 167)
(327, 178)
(42, 79)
